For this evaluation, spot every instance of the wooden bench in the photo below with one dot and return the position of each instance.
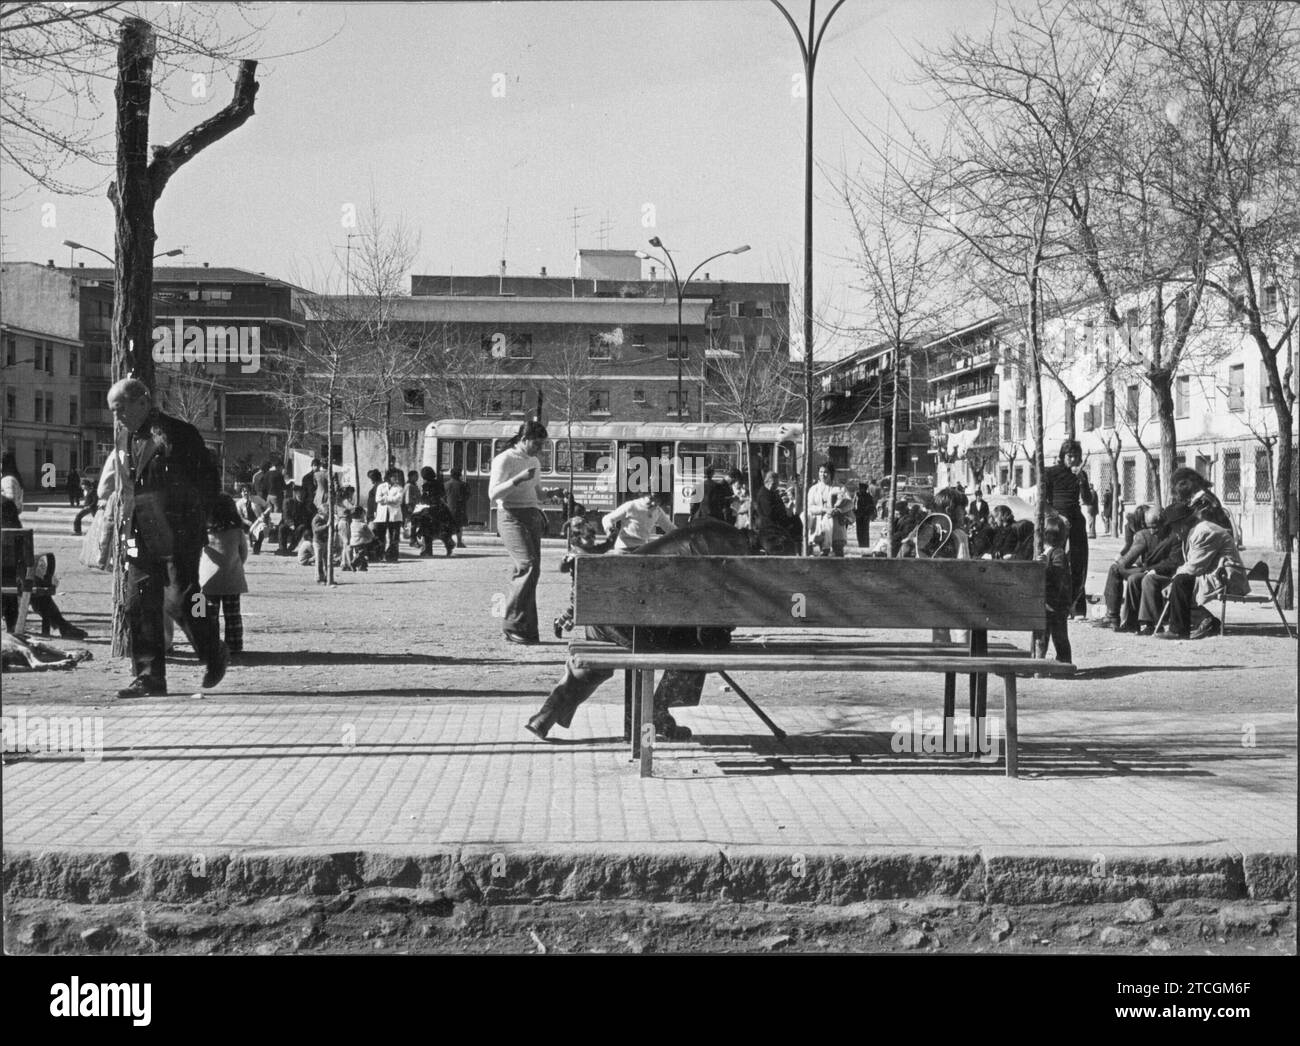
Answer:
(640, 592)
(1280, 565)
(17, 560)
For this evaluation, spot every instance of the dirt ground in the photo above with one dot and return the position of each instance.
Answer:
(430, 629)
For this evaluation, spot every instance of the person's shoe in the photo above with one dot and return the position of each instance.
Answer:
(460, 544)
(1173, 635)
(515, 637)
(72, 632)
(1111, 623)
(1211, 626)
(558, 625)
(140, 687)
(668, 729)
(217, 669)
(540, 725)
(449, 551)
(1146, 629)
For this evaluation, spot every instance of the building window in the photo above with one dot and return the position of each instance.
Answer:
(638, 397)
(638, 341)
(215, 294)
(598, 347)
(598, 401)
(1108, 408)
(516, 401)
(1152, 477)
(1265, 391)
(1132, 397)
(413, 401)
(1022, 418)
(764, 343)
(685, 406)
(764, 309)
(1182, 396)
(492, 403)
(1022, 392)
(1263, 475)
(736, 343)
(1132, 322)
(1006, 424)
(11, 351)
(73, 363)
(1232, 475)
(838, 457)
(72, 411)
(1272, 301)
(503, 345)
(1237, 387)
(1128, 470)
(11, 405)
(733, 309)
(1090, 418)
(673, 353)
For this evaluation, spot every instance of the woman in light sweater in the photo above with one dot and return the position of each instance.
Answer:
(515, 486)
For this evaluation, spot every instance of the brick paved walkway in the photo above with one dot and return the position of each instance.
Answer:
(207, 775)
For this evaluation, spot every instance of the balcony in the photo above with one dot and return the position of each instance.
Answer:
(944, 406)
(255, 423)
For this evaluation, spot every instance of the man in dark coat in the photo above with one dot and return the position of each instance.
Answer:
(703, 537)
(173, 485)
(779, 533)
(457, 504)
(1176, 521)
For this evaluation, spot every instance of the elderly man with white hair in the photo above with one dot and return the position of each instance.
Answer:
(168, 490)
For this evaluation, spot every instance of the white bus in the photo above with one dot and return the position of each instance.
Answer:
(613, 461)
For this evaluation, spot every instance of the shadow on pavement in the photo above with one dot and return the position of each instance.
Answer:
(873, 754)
(357, 657)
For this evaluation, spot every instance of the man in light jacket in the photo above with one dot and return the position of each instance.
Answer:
(388, 513)
(1199, 580)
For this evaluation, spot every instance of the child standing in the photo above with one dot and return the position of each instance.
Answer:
(221, 572)
(1059, 591)
(359, 540)
(320, 535)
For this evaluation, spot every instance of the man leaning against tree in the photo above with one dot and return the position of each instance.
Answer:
(173, 483)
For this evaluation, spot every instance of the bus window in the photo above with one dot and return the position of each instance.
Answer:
(449, 454)
(485, 455)
(785, 462)
(471, 456)
(721, 457)
(587, 454)
(544, 455)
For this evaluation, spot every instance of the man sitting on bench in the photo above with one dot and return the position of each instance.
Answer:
(703, 537)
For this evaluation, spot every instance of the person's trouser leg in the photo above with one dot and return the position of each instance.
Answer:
(864, 534)
(1114, 592)
(145, 584)
(186, 605)
(76, 522)
(1152, 601)
(521, 533)
(234, 618)
(574, 687)
(1059, 630)
(1180, 604)
(321, 555)
(1078, 550)
(1132, 600)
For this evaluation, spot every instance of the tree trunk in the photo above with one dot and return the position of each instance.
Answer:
(1117, 489)
(329, 489)
(1071, 408)
(1284, 508)
(893, 462)
(1162, 384)
(133, 198)
(356, 463)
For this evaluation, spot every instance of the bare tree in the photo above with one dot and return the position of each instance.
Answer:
(751, 390)
(59, 61)
(902, 261)
(568, 379)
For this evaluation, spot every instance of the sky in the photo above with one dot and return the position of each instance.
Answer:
(485, 125)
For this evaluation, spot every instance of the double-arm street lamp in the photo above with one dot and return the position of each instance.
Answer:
(680, 287)
(73, 245)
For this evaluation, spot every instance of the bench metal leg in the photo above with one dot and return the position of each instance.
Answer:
(949, 708)
(647, 722)
(628, 714)
(1273, 589)
(1009, 727)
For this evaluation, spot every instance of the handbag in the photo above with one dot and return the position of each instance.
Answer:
(209, 565)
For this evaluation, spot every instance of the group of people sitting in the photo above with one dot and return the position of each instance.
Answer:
(417, 505)
(1184, 556)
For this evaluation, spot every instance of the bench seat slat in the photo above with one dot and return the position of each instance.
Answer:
(774, 661)
(809, 592)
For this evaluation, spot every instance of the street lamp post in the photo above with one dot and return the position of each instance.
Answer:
(680, 287)
(808, 50)
(73, 246)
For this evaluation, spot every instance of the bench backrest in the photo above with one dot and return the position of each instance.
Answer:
(795, 592)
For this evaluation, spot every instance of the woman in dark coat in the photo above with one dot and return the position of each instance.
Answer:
(1066, 488)
(433, 518)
